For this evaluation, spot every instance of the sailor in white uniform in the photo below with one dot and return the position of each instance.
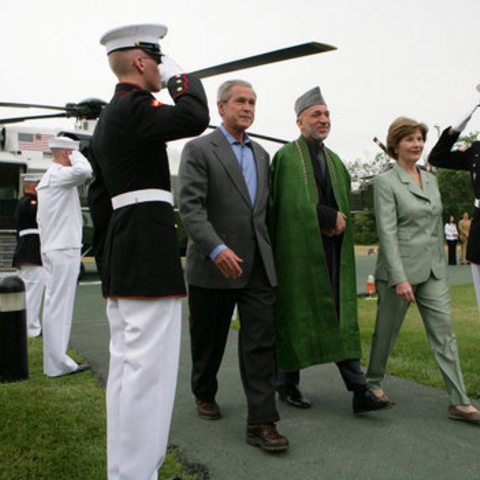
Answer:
(59, 220)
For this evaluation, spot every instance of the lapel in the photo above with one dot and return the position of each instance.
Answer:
(261, 162)
(410, 183)
(224, 153)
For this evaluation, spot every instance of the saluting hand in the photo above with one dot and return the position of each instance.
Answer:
(228, 264)
(405, 292)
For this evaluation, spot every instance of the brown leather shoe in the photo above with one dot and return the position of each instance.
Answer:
(208, 410)
(455, 414)
(266, 437)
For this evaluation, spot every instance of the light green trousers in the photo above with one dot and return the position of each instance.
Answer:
(433, 301)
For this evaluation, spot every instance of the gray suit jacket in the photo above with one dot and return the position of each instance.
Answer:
(409, 225)
(215, 207)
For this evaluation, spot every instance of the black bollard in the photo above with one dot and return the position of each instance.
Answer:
(13, 330)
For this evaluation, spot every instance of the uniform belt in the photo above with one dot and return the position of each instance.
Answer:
(28, 231)
(477, 203)
(141, 196)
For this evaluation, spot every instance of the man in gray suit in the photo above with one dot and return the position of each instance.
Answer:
(223, 199)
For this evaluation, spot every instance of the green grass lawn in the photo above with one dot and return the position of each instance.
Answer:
(55, 428)
(412, 358)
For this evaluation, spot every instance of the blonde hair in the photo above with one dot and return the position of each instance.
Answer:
(121, 61)
(399, 129)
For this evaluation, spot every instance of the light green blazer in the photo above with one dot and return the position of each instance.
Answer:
(409, 226)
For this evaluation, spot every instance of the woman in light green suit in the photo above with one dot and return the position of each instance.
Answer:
(411, 265)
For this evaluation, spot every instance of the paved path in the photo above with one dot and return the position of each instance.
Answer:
(413, 440)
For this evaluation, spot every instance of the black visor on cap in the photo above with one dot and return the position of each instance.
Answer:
(153, 49)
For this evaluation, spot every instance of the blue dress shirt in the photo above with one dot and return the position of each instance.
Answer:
(246, 160)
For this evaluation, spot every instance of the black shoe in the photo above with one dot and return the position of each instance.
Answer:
(296, 400)
(366, 401)
(82, 367)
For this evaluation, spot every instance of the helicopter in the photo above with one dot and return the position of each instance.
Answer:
(25, 149)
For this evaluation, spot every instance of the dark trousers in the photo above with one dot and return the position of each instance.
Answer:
(352, 375)
(210, 317)
(452, 252)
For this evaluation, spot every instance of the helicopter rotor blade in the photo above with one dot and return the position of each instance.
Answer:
(262, 137)
(30, 105)
(288, 53)
(4, 121)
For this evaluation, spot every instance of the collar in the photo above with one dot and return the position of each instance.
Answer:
(124, 87)
(231, 139)
(314, 147)
(404, 175)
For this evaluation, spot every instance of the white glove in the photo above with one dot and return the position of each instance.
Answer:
(461, 123)
(168, 69)
(75, 156)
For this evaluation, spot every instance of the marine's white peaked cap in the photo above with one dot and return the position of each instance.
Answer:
(133, 36)
(63, 142)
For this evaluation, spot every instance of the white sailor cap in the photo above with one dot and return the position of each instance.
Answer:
(32, 177)
(144, 36)
(63, 142)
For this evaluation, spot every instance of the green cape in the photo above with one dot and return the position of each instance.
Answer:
(308, 331)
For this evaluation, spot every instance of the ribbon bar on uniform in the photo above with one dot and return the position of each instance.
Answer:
(28, 231)
(142, 196)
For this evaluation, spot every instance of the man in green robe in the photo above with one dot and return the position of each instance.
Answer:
(311, 231)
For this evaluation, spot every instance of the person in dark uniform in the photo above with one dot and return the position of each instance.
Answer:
(27, 257)
(469, 160)
(136, 243)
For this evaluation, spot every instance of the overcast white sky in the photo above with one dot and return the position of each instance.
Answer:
(419, 58)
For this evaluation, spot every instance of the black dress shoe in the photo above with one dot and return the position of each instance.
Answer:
(298, 401)
(82, 367)
(366, 401)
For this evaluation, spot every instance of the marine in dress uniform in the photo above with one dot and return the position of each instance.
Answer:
(59, 220)
(136, 243)
(469, 159)
(27, 257)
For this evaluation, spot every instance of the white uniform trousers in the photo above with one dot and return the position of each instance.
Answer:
(61, 273)
(476, 281)
(144, 355)
(34, 278)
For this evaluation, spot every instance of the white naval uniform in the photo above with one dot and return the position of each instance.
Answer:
(59, 220)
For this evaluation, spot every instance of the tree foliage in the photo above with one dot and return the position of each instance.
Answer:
(362, 171)
(364, 227)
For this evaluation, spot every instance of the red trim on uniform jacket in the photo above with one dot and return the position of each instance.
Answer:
(137, 87)
(185, 86)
